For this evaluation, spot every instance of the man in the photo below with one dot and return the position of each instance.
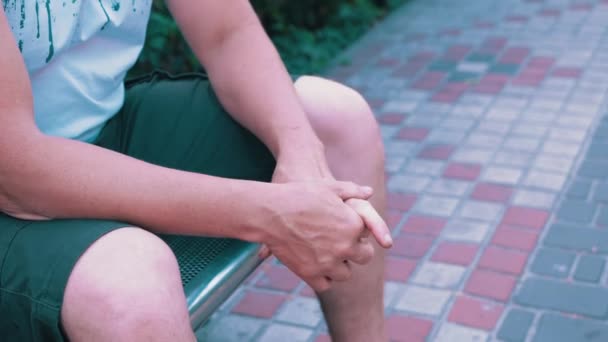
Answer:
(88, 170)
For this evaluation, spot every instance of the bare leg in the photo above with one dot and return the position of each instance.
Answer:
(342, 119)
(126, 287)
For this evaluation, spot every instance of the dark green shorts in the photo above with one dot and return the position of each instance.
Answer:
(175, 122)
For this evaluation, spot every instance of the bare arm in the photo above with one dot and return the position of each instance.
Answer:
(49, 177)
(247, 73)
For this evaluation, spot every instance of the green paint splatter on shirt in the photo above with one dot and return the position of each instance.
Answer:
(22, 21)
(51, 45)
(115, 5)
(37, 21)
(20, 45)
(106, 13)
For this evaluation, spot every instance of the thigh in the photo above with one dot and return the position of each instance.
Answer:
(36, 259)
(178, 122)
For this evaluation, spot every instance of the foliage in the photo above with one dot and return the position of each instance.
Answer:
(307, 33)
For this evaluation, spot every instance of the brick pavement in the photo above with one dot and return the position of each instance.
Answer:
(492, 113)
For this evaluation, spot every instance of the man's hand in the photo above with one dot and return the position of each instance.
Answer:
(313, 231)
(336, 232)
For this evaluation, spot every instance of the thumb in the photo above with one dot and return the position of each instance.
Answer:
(346, 190)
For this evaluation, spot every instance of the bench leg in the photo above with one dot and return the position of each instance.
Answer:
(126, 287)
(354, 309)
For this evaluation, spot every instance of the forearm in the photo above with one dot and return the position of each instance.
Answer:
(259, 93)
(248, 75)
(57, 178)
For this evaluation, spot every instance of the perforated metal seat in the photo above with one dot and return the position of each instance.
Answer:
(211, 270)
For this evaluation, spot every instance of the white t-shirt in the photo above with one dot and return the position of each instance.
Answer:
(77, 53)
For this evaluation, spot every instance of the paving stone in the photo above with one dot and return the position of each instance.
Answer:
(501, 175)
(463, 171)
(482, 211)
(400, 106)
(282, 332)
(532, 198)
(449, 187)
(439, 151)
(492, 192)
(553, 262)
(411, 245)
(457, 253)
(230, 328)
(394, 164)
(407, 328)
(575, 238)
(422, 300)
(516, 238)
(300, 310)
(425, 167)
(490, 284)
(576, 211)
(450, 332)
(552, 163)
(436, 205)
(391, 292)
(503, 260)
(589, 268)
(388, 132)
(400, 148)
(561, 148)
(473, 155)
(594, 169)
(458, 124)
(499, 127)
(408, 183)
(579, 189)
(400, 269)
(602, 218)
(475, 67)
(558, 328)
(413, 133)
(439, 275)
(502, 114)
(545, 180)
(259, 304)
(513, 158)
(446, 136)
(278, 278)
(568, 134)
(534, 131)
(600, 194)
(515, 326)
(484, 139)
(556, 295)
(475, 313)
(466, 230)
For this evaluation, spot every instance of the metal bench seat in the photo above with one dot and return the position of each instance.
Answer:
(211, 269)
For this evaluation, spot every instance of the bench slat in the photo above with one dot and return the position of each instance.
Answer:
(211, 269)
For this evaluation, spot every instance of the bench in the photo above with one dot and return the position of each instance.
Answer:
(211, 269)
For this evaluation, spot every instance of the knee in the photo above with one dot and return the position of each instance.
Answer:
(339, 115)
(129, 278)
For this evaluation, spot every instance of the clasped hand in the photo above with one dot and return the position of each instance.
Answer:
(321, 225)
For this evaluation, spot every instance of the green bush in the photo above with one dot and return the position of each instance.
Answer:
(307, 33)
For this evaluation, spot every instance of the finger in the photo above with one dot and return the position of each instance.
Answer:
(264, 252)
(340, 272)
(363, 252)
(373, 221)
(346, 190)
(319, 284)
